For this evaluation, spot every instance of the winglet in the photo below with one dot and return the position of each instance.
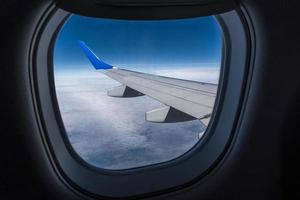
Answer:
(97, 63)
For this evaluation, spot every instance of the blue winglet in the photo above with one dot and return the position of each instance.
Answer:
(97, 63)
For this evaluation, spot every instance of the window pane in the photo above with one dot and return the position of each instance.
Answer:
(174, 65)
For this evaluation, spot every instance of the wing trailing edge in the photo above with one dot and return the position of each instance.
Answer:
(167, 114)
(123, 91)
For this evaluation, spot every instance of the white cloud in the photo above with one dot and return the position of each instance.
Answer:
(112, 132)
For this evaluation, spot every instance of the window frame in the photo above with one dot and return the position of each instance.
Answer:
(151, 179)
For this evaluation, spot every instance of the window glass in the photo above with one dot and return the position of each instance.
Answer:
(133, 93)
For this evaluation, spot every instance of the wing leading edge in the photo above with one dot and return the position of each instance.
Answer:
(184, 100)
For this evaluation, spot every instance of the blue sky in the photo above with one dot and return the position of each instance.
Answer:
(136, 44)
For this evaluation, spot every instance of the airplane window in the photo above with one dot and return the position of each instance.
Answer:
(133, 93)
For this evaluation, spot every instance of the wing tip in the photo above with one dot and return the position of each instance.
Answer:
(96, 62)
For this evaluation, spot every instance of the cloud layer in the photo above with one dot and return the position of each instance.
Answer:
(112, 133)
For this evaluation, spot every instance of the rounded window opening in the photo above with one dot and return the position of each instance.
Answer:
(133, 93)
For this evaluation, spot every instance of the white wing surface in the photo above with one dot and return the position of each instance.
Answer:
(184, 100)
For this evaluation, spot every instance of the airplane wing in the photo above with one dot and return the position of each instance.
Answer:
(184, 100)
